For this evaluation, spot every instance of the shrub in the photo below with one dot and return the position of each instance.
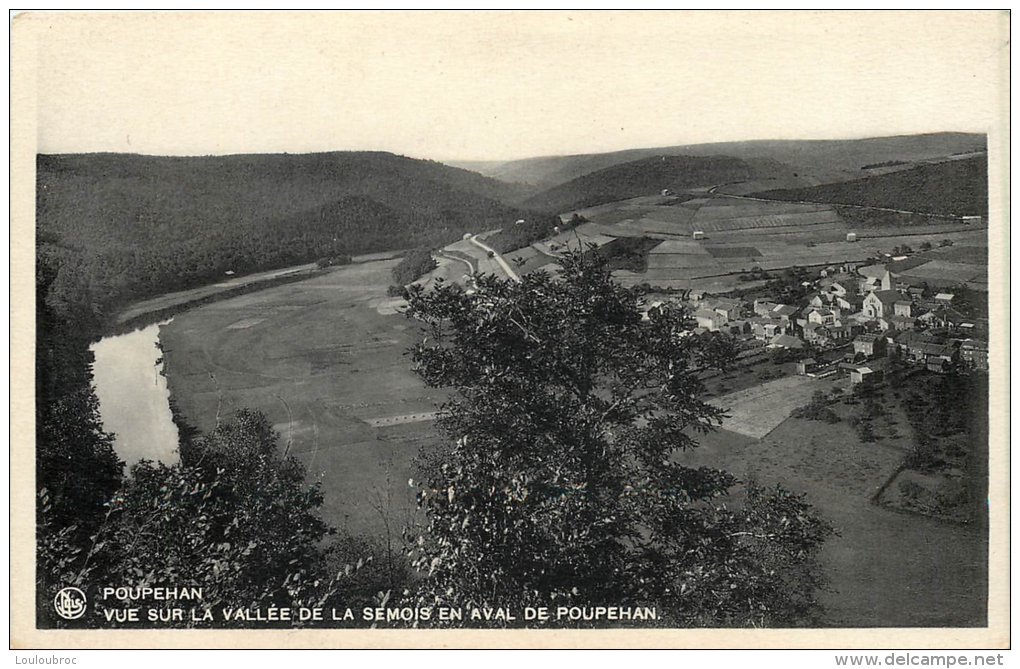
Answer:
(414, 265)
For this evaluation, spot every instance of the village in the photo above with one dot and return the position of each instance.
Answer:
(851, 322)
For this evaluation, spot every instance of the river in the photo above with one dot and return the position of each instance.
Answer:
(133, 397)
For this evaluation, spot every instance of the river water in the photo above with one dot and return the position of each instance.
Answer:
(133, 397)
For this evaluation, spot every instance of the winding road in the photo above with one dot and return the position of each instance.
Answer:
(497, 257)
(471, 267)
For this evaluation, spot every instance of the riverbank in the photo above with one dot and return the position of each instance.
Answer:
(134, 396)
(326, 364)
(163, 306)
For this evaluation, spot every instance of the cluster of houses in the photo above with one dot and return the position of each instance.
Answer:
(866, 307)
(771, 322)
(868, 361)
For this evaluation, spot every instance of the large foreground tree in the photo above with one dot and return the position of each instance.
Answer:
(560, 484)
(233, 518)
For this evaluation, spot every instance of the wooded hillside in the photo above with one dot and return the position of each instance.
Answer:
(648, 176)
(956, 187)
(129, 226)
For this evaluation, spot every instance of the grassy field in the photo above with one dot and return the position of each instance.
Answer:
(184, 297)
(328, 369)
(886, 569)
(757, 411)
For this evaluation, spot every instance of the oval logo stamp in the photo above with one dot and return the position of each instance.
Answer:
(70, 603)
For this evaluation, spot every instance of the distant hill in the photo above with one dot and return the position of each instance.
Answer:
(130, 226)
(827, 160)
(648, 176)
(956, 187)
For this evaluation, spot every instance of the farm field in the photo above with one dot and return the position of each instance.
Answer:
(885, 568)
(325, 362)
(756, 411)
(779, 235)
(739, 234)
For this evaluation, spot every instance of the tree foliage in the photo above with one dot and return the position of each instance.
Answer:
(561, 483)
(127, 227)
(233, 518)
(414, 265)
(717, 350)
(953, 187)
(518, 235)
(646, 176)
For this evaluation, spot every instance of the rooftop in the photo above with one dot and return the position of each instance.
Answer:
(887, 296)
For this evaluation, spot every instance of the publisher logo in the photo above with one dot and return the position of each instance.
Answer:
(70, 603)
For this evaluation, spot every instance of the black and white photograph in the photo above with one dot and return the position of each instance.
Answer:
(625, 326)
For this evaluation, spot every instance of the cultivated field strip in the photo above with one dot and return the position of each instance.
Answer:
(756, 411)
(679, 247)
(742, 210)
(676, 214)
(766, 221)
(651, 226)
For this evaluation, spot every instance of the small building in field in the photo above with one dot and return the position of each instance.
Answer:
(851, 236)
(699, 234)
(846, 368)
(807, 366)
(865, 375)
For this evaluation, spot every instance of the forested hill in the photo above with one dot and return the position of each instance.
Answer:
(648, 176)
(956, 187)
(837, 160)
(120, 227)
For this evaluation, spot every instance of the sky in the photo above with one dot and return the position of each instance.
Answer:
(502, 85)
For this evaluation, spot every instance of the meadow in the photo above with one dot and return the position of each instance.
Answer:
(885, 568)
(325, 360)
